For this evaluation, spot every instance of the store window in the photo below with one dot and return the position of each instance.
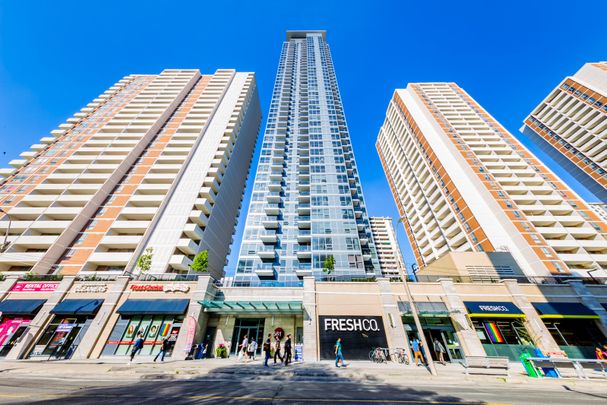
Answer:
(154, 329)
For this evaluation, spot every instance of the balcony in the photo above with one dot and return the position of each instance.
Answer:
(265, 271)
(193, 231)
(204, 205)
(304, 252)
(187, 246)
(35, 241)
(272, 209)
(266, 252)
(20, 259)
(111, 258)
(304, 236)
(274, 197)
(270, 223)
(180, 262)
(130, 227)
(120, 241)
(199, 218)
(208, 193)
(303, 209)
(268, 237)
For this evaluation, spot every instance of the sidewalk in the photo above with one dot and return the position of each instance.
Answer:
(361, 372)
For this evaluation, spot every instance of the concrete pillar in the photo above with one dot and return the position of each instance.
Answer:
(6, 285)
(310, 320)
(108, 307)
(533, 323)
(205, 290)
(471, 344)
(397, 338)
(40, 321)
(591, 302)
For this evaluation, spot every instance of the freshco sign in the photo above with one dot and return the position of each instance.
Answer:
(350, 324)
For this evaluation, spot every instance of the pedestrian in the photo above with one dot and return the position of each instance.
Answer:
(252, 349)
(605, 351)
(163, 349)
(416, 346)
(137, 346)
(600, 355)
(267, 348)
(277, 349)
(242, 353)
(338, 353)
(439, 350)
(288, 348)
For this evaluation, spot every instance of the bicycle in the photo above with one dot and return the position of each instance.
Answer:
(379, 355)
(399, 355)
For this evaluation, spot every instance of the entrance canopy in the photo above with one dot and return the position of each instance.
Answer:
(21, 307)
(77, 307)
(498, 309)
(561, 310)
(253, 307)
(154, 307)
(426, 309)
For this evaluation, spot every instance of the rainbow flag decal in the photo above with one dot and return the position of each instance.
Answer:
(494, 333)
(165, 329)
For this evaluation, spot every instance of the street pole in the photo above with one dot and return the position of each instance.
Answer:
(418, 324)
(5, 243)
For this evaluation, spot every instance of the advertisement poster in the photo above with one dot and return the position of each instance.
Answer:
(34, 287)
(359, 335)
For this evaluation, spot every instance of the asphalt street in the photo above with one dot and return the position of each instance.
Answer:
(238, 390)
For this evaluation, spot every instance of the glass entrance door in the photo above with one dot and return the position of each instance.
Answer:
(253, 328)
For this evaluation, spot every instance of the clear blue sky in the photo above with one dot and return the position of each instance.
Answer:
(56, 56)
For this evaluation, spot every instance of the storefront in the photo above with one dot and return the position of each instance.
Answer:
(500, 328)
(16, 315)
(71, 320)
(573, 326)
(230, 321)
(359, 335)
(154, 319)
(436, 322)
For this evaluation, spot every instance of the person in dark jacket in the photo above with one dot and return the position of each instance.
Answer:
(163, 349)
(288, 348)
(267, 348)
(137, 346)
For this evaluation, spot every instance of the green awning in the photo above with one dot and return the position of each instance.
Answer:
(425, 309)
(253, 307)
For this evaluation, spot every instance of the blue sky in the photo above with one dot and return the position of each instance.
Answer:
(57, 56)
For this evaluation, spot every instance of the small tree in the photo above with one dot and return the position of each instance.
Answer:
(329, 265)
(201, 262)
(144, 263)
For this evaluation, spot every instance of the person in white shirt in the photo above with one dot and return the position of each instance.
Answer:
(243, 348)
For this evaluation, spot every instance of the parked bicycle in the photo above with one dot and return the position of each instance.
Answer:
(399, 355)
(379, 355)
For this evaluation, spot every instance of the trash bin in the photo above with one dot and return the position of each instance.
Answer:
(528, 365)
(548, 371)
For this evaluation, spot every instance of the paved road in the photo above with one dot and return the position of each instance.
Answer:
(35, 390)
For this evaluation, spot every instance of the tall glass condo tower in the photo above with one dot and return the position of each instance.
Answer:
(307, 202)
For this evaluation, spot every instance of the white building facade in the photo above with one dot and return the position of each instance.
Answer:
(388, 250)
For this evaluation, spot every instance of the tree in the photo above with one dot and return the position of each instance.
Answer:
(144, 263)
(329, 265)
(201, 262)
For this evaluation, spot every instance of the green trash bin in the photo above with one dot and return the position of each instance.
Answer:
(531, 371)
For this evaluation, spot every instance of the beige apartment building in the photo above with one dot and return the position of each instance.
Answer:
(388, 251)
(465, 184)
(157, 161)
(570, 124)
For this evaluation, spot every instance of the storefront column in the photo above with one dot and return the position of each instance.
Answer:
(466, 334)
(205, 290)
(6, 285)
(396, 330)
(101, 319)
(40, 321)
(310, 327)
(533, 323)
(591, 302)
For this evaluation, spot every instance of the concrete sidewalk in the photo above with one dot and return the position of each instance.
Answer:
(360, 372)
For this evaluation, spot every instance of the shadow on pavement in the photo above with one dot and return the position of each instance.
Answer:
(255, 384)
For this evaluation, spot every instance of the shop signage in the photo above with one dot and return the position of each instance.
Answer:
(279, 332)
(34, 287)
(65, 327)
(161, 287)
(359, 335)
(492, 308)
(91, 288)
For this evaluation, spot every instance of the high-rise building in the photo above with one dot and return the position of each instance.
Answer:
(464, 183)
(571, 126)
(600, 209)
(307, 202)
(388, 251)
(156, 161)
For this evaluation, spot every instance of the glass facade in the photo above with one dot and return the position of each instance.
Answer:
(307, 201)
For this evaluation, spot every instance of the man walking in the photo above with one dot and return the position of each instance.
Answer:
(137, 346)
(244, 346)
(163, 349)
(277, 349)
(416, 346)
(267, 347)
(252, 349)
(338, 354)
(439, 349)
(288, 348)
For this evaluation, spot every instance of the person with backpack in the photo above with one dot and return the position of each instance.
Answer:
(163, 349)
(267, 347)
(288, 348)
(137, 346)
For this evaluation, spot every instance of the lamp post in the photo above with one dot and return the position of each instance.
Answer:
(5, 243)
(418, 324)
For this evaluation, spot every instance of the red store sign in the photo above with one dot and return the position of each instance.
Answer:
(147, 287)
(34, 287)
